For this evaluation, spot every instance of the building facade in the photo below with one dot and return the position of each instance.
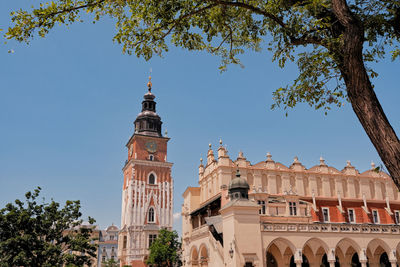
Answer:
(147, 192)
(108, 246)
(273, 215)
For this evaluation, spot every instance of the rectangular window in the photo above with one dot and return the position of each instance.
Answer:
(124, 243)
(375, 216)
(397, 216)
(262, 204)
(351, 215)
(292, 208)
(325, 214)
(151, 239)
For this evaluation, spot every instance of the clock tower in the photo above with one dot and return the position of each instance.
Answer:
(147, 191)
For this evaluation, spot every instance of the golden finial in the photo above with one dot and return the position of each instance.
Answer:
(149, 84)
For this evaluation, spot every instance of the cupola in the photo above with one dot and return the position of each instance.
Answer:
(148, 122)
(238, 188)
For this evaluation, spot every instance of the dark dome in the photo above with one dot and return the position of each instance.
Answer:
(238, 182)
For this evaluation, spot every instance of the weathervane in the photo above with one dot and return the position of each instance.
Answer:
(149, 84)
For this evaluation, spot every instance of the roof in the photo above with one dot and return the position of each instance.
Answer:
(215, 221)
(240, 203)
(203, 207)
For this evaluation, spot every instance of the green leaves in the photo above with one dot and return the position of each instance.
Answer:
(306, 32)
(164, 251)
(43, 234)
(319, 83)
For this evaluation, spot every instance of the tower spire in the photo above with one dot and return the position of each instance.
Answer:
(149, 84)
(148, 122)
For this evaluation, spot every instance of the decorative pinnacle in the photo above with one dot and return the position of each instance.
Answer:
(348, 163)
(166, 133)
(220, 142)
(296, 160)
(237, 171)
(269, 156)
(321, 161)
(201, 161)
(372, 165)
(149, 84)
(209, 146)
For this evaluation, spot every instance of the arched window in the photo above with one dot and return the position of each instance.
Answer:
(151, 215)
(152, 179)
(151, 157)
(124, 243)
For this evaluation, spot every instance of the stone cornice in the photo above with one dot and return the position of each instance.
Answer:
(147, 163)
(332, 228)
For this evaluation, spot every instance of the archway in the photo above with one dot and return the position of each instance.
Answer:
(271, 261)
(345, 250)
(355, 261)
(314, 249)
(384, 260)
(279, 252)
(305, 262)
(194, 257)
(377, 252)
(203, 261)
(325, 262)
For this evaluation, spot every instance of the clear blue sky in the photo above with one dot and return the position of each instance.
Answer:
(68, 102)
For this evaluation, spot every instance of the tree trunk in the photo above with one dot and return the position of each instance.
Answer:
(361, 94)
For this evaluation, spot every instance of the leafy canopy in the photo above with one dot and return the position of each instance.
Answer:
(304, 31)
(164, 251)
(36, 233)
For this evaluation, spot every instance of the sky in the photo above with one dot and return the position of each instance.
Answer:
(68, 102)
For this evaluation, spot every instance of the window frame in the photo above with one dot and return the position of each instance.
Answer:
(155, 178)
(151, 239)
(354, 215)
(124, 242)
(261, 211)
(292, 208)
(323, 215)
(397, 218)
(377, 216)
(151, 211)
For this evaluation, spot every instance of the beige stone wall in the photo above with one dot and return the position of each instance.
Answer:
(284, 235)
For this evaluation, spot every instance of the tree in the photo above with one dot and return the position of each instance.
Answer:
(332, 41)
(43, 234)
(111, 263)
(164, 251)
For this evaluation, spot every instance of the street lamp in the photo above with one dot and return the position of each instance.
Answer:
(231, 251)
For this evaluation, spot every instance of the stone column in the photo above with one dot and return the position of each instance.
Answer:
(298, 257)
(393, 263)
(272, 187)
(331, 257)
(312, 184)
(351, 188)
(286, 186)
(326, 186)
(299, 184)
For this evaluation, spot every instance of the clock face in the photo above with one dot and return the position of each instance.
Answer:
(151, 146)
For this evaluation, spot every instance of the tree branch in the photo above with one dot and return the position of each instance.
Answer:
(177, 21)
(256, 10)
(66, 10)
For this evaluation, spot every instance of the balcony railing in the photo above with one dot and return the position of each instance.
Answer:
(200, 231)
(331, 227)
